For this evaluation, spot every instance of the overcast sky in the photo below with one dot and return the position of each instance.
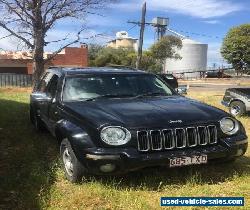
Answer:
(206, 21)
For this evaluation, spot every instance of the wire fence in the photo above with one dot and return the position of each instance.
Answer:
(15, 80)
(211, 73)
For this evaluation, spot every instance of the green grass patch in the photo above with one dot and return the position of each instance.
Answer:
(32, 179)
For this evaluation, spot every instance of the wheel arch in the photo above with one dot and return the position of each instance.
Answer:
(60, 135)
(76, 135)
(236, 99)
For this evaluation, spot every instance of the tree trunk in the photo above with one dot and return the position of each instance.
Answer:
(38, 60)
(38, 69)
(38, 30)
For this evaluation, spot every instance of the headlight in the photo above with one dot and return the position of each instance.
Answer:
(115, 135)
(229, 126)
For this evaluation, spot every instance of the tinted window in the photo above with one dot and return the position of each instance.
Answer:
(169, 76)
(44, 82)
(85, 87)
(52, 87)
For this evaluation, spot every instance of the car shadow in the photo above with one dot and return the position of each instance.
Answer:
(27, 159)
(156, 178)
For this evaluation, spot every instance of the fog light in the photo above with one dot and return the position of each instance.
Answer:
(239, 152)
(107, 168)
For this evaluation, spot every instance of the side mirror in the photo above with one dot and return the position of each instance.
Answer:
(182, 89)
(42, 97)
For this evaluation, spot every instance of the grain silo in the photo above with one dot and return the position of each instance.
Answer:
(123, 41)
(194, 58)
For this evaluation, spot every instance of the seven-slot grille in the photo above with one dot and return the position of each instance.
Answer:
(176, 138)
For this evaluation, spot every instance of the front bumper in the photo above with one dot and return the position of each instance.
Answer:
(129, 159)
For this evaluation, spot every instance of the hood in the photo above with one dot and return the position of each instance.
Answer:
(157, 112)
(243, 91)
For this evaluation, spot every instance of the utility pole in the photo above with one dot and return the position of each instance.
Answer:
(142, 24)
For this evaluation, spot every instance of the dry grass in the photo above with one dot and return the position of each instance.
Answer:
(42, 184)
(15, 90)
(225, 81)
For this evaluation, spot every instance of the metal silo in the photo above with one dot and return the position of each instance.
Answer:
(194, 58)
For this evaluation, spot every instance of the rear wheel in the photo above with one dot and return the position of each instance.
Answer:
(237, 108)
(73, 169)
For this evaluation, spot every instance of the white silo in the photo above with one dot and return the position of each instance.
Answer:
(194, 58)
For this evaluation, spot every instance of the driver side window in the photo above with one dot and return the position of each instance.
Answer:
(44, 82)
(52, 87)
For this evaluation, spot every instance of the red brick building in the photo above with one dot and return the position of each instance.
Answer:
(21, 63)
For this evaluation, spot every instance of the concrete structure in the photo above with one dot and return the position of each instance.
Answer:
(21, 62)
(194, 58)
(124, 41)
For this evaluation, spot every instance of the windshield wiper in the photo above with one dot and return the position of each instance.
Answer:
(150, 94)
(109, 96)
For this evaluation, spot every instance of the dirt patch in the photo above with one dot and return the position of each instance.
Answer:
(16, 90)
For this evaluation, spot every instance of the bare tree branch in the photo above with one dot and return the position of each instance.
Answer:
(4, 37)
(31, 20)
(15, 10)
(64, 46)
(16, 35)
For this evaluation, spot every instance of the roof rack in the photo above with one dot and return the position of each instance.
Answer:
(55, 67)
(121, 67)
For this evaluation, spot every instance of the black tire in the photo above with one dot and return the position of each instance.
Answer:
(237, 108)
(37, 122)
(75, 171)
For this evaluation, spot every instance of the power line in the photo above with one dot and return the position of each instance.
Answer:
(197, 34)
(189, 33)
(132, 27)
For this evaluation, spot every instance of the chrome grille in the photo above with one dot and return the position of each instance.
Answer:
(192, 137)
(180, 137)
(156, 140)
(168, 138)
(203, 135)
(176, 138)
(143, 142)
(212, 131)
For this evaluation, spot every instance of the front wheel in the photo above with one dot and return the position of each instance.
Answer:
(237, 108)
(73, 169)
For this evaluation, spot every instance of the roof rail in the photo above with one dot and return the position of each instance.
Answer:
(121, 67)
(55, 67)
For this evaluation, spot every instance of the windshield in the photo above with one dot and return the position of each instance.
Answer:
(122, 85)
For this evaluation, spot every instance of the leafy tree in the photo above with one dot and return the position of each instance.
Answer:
(111, 56)
(149, 63)
(166, 48)
(30, 21)
(93, 51)
(236, 45)
(152, 59)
